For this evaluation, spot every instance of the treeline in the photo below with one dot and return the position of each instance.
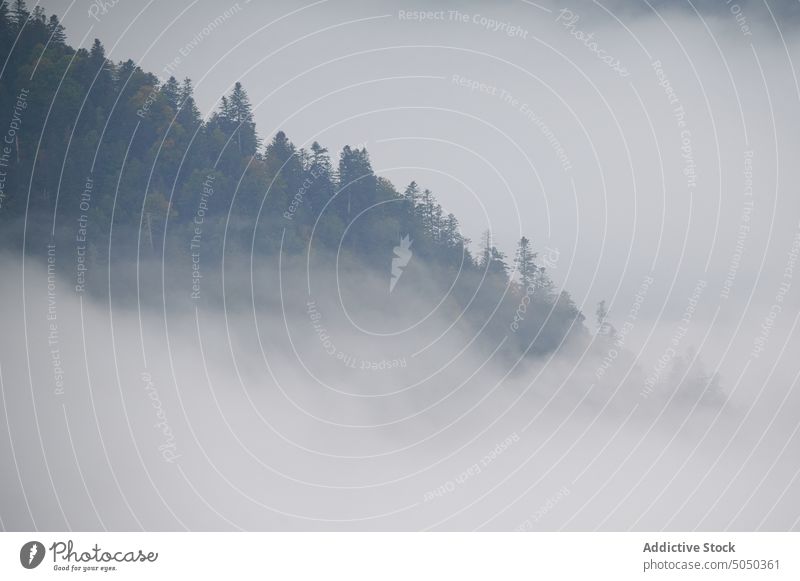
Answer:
(109, 147)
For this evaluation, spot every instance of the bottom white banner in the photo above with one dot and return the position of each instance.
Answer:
(390, 556)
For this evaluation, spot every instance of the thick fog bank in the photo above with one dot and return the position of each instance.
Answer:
(209, 418)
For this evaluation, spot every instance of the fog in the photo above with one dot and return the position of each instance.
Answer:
(225, 417)
(297, 397)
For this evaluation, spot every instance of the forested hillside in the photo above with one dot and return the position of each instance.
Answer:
(112, 156)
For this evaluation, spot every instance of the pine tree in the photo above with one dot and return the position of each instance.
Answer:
(452, 236)
(186, 91)
(20, 14)
(56, 31)
(436, 223)
(284, 160)
(97, 54)
(6, 27)
(356, 178)
(411, 195)
(223, 117)
(171, 93)
(320, 178)
(491, 258)
(603, 326)
(102, 76)
(240, 113)
(124, 73)
(225, 111)
(425, 211)
(282, 151)
(525, 263)
(189, 115)
(240, 109)
(544, 286)
(498, 265)
(486, 249)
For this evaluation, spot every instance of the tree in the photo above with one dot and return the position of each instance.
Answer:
(451, 233)
(497, 265)
(411, 194)
(56, 31)
(486, 249)
(525, 263)
(425, 212)
(189, 115)
(6, 27)
(437, 223)
(284, 160)
(240, 113)
(97, 54)
(20, 14)
(356, 178)
(544, 285)
(604, 327)
(319, 177)
(601, 314)
(284, 166)
(125, 72)
(225, 111)
(492, 260)
(101, 73)
(240, 109)
(231, 127)
(171, 93)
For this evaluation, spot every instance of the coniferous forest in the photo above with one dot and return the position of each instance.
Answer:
(111, 156)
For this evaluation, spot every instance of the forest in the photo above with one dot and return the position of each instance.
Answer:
(110, 163)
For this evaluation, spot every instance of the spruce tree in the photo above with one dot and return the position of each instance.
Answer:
(20, 14)
(56, 31)
(241, 114)
(241, 110)
(189, 115)
(356, 178)
(171, 93)
(6, 27)
(320, 178)
(525, 263)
